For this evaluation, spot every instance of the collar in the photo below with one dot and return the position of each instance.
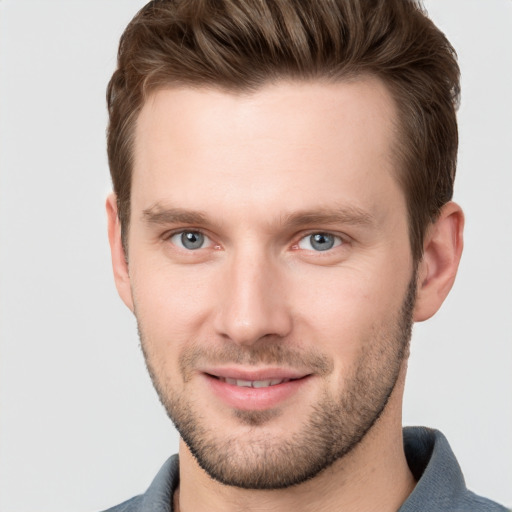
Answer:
(440, 483)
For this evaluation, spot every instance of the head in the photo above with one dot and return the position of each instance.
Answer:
(242, 45)
(282, 175)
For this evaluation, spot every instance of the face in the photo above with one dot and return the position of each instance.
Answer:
(270, 271)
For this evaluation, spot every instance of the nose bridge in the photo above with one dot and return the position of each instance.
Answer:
(253, 303)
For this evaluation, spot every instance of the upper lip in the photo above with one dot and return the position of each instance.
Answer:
(255, 374)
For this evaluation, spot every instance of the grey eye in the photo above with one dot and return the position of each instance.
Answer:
(190, 240)
(319, 242)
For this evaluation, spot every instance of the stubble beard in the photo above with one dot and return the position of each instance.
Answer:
(335, 426)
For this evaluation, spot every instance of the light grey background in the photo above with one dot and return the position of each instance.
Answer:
(80, 425)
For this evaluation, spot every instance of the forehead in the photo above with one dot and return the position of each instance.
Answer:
(302, 137)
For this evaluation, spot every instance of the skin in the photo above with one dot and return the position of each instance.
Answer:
(252, 165)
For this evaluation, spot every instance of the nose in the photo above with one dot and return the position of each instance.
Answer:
(252, 302)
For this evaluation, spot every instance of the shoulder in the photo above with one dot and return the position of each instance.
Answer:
(158, 497)
(477, 503)
(440, 483)
(131, 505)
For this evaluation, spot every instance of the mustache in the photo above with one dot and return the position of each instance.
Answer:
(278, 354)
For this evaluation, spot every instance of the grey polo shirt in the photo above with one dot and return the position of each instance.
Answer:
(440, 484)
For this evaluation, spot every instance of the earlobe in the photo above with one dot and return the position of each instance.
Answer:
(119, 261)
(437, 269)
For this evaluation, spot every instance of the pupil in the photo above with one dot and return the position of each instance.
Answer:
(192, 240)
(322, 241)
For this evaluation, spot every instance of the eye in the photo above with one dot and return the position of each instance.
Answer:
(190, 240)
(319, 242)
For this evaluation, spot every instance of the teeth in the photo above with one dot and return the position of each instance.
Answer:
(254, 383)
(261, 383)
(244, 383)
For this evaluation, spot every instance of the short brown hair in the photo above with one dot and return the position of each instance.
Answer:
(239, 45)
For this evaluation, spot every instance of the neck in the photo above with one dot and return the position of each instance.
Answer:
(373, 476)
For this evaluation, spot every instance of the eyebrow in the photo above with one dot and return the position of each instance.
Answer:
(344, 215)
(160, 215)
(352, 215)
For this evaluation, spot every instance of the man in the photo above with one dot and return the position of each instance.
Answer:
(283, 174)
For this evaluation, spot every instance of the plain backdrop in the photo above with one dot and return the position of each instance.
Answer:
(80, 426)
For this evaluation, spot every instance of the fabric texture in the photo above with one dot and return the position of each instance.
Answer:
(440, 484)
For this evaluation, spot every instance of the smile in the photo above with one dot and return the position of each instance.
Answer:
(253, 383)
(263, 390)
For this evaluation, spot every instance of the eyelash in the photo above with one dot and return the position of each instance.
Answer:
(170, 236)
(338, 240)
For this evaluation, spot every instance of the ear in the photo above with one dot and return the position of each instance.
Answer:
(119, 260)
(437, 269)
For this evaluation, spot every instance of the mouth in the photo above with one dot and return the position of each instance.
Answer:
(252, 383)
(255, 389)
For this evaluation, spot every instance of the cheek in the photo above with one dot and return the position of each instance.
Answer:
(345, 308)
(171, 303)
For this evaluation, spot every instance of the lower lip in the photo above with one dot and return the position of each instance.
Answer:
(255, 399)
